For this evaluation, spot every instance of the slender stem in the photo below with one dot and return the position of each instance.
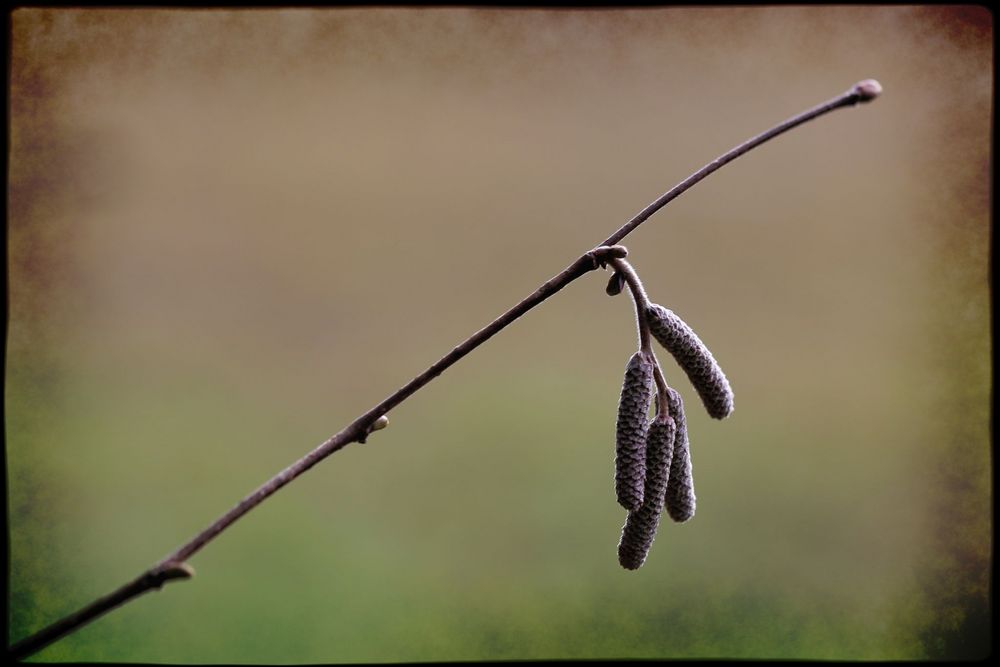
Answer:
(661, 388)
(641, 302)
(168, 568)
(639, 299)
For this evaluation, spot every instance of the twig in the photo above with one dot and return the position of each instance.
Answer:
(173, 566)
(863, 91)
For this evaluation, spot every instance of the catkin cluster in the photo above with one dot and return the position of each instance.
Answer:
(653, 457)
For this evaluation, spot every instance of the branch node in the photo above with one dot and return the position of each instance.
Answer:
(600, 255)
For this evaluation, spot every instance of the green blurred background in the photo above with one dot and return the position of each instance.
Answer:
(231, 232)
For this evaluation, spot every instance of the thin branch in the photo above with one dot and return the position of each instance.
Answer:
(662, 388)
(173, 567)
(360, 427)
(863, 91)
(151, 579)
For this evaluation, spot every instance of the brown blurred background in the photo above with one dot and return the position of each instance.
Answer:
(231, 232)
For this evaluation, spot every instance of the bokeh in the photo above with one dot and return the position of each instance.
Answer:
(232, 232)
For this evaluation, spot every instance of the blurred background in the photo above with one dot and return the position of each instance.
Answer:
(232, 232)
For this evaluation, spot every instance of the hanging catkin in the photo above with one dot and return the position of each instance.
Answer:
(640, 526)
(694, 358)
(630, 431)
(680, 500)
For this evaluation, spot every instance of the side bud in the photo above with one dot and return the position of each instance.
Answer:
(630, 431)
(694, 358)
(615, 284)
(640, 526)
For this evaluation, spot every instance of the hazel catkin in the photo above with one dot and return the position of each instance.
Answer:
(680, 499)
(630, 431)
(694, 358)
(640, 525)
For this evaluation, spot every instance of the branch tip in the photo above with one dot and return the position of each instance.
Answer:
(867, 90)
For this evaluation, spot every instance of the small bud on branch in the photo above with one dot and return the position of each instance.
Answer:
(615, 284)
(867, 90)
